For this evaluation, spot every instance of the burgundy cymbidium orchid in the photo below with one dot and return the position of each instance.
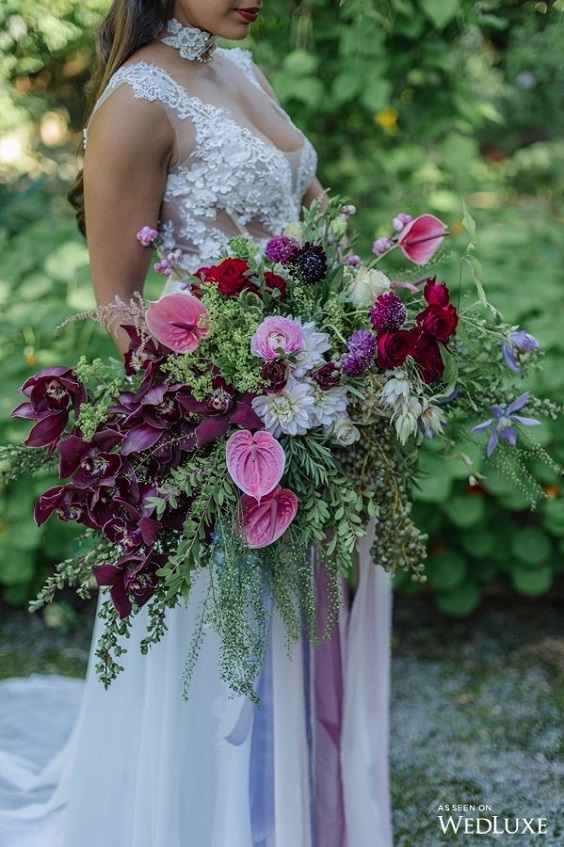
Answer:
(221, 410)
(132, 579)
(51, 394)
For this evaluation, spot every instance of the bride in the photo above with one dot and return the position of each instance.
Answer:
(188, 138)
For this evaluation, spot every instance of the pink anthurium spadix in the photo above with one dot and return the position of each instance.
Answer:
(263, 523)
(178, 320)
(255, 462)
(420, 239)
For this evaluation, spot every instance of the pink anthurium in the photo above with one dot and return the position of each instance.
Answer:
(178, 321)
(255, 462)
(264, 522)
(421, 238)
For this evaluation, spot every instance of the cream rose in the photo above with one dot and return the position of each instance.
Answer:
(367, 285)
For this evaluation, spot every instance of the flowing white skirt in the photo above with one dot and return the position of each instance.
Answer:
(138, 766)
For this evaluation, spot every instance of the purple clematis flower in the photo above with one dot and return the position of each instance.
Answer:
(518, 348)
(502, 423)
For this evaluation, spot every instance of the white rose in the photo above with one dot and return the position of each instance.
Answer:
(367, 286)
(343, 432)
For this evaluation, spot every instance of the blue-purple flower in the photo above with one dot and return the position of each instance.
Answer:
(362, 349)
(502, 423)
(518, 348)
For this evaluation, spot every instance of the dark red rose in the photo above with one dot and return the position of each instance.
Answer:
(231, 276)
(427, 354)
(275, 375)
(436, 293)
(327, 376)
(438, 321)
(393, 348)
(273, 281)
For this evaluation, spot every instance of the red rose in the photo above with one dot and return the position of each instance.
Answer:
(274, 281)
(231, 276)
(438, 321)
(436, 293)
(427, 354)
(393, 348)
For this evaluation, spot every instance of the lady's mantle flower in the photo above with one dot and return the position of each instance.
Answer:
(518, 348)
(276, 337)
(281, 248)
(290, 411)
(362, 348)
(389, 313)
(502, 423)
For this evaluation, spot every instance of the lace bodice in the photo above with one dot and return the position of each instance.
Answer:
(229, 178)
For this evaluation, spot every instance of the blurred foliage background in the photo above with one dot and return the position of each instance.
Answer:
(412, 105)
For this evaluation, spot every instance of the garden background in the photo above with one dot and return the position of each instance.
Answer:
(413, 105)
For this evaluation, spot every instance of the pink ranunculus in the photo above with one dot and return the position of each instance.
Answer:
(263, 523)
(255, 462)
(421, 238)
(277, 337)
(178, 321)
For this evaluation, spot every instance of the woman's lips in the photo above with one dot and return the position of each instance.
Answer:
(249, 15)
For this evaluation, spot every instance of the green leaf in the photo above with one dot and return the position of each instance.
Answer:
(529, 581)
(440, 12)
(446, 570)
(461, 601)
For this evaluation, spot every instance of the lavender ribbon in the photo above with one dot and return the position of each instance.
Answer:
(261, 770)
(328, 722)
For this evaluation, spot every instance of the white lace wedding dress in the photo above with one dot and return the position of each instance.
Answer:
(137, 765)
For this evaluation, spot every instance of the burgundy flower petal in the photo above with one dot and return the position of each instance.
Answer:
(140, 438)
(47, 431)
(26, 411)
(47, 503)
(211, 429)
(244, 415)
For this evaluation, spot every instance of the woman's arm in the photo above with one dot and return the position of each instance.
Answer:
(130, 145)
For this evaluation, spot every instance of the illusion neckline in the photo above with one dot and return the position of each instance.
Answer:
(193, 44)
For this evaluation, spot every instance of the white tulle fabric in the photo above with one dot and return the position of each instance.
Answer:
(138, 765)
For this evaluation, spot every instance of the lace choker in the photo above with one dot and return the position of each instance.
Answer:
(192, 43)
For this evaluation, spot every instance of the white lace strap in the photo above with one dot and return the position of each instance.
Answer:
(243, 60)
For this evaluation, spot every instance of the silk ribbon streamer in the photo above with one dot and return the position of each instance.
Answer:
(328, 711)
(261, 769)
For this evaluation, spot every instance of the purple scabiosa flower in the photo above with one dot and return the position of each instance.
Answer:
(502, 423)
(362, 348)
(400, 221)
(310, 262)
(389, 313)
(518, 348)
(382, 245)
(526, 79)
(352, 260)
(281, 248)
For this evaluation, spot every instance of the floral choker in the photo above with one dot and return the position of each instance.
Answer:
(192, 43)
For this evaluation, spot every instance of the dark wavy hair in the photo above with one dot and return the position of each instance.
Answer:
(128, 25)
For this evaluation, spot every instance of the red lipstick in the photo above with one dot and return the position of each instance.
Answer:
(249, 15)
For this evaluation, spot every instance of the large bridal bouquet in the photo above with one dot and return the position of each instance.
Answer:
(270, 406)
